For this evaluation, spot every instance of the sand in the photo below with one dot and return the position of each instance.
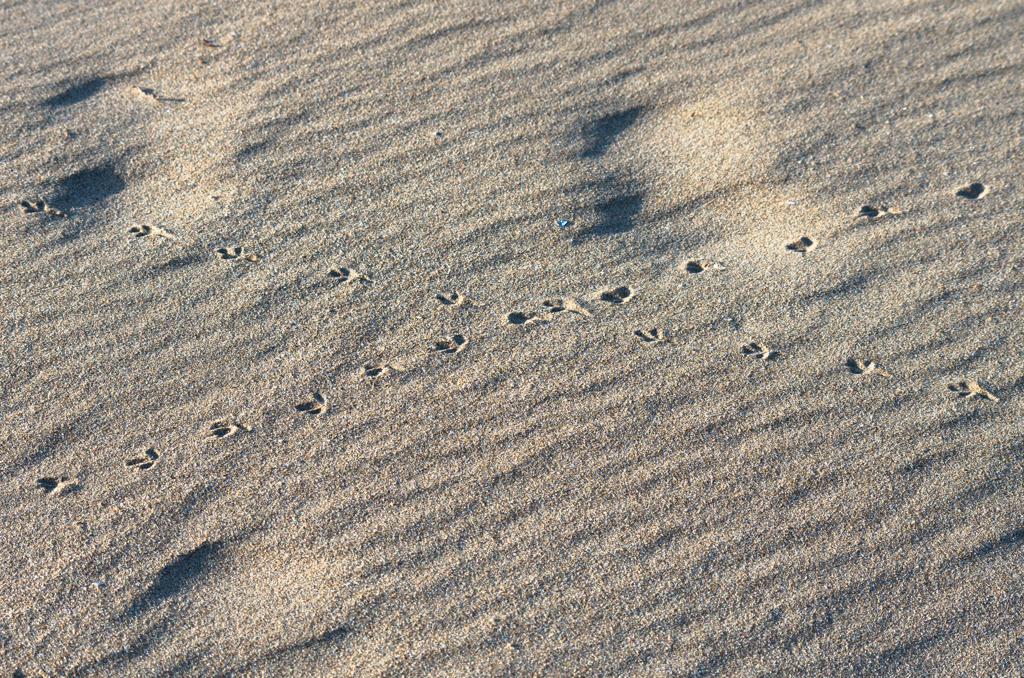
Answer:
(512, 338)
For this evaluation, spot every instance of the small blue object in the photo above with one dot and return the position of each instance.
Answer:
(563, 222)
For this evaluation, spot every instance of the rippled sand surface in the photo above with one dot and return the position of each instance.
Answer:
(511, 338)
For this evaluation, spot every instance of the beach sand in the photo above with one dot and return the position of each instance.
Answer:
(512, 338)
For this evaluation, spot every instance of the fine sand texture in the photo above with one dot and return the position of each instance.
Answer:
(478, 338)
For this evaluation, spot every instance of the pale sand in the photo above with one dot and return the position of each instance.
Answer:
(558, 495)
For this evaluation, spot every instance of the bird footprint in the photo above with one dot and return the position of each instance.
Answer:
(348, 275)
(872, 212)
(699, 266)
(453, 345)
(225, 429)
(38, 206)
(372, 370)
(975, 191)
(144, 462)
(317, 405)
(655, 336)
(804, 244)
(617, 296)
(864, 367)
(150, 231)
(759, 351)
(559, 305)
(229, 253)
(517, 318)
(56, 486)
(146, 93)
(455, 299)
(971, 389)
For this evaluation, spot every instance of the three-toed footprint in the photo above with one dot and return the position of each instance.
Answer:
(619, 295)
(312, 407)
(975, 191)
(759, 351)
(872, 212)
(145, 231)
(56, 485)
(518, 318)
(701, 265)
(655, 336)
(143, 462)
(373, 370)
(554, 306)
(972, 389)
(454, 299)
(230, 253)
(225, 429)
(39, 207)
(864, 367)
(454, 344)
(348, 275)
(804, 244)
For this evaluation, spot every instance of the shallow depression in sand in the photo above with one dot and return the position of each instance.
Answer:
(706, 146)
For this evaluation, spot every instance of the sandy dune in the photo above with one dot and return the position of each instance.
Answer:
(512, 338)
